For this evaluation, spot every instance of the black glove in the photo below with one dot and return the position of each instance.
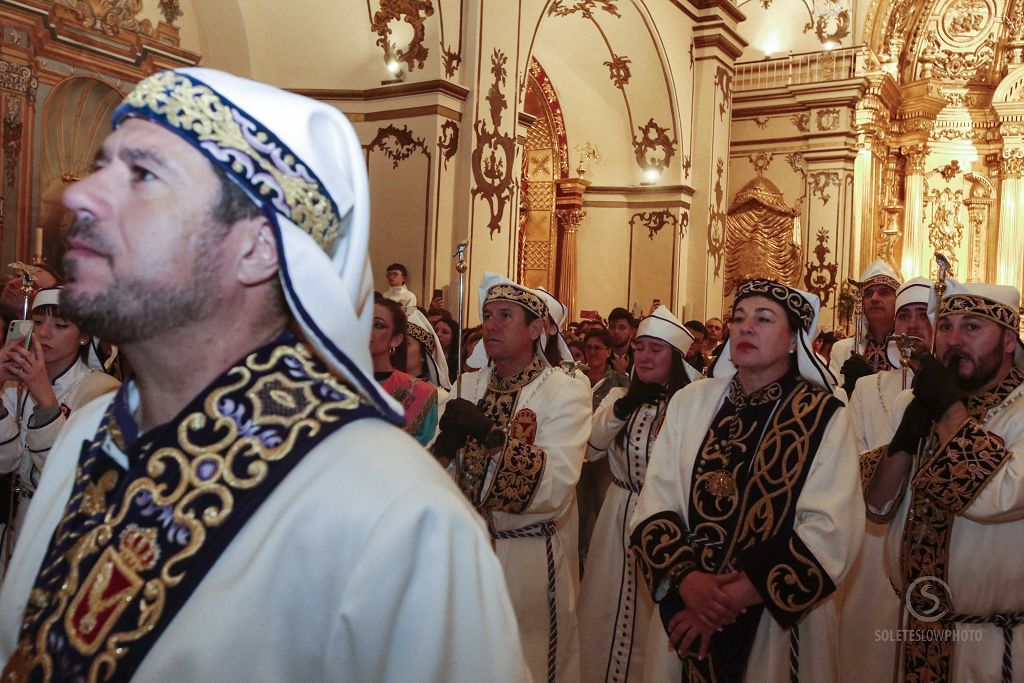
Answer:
(447, 444)
(915, 425)
(638, 394)
(936, 386)
(853, 369)
(462, 416)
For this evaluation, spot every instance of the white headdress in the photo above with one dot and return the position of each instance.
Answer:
(998, 303)
(918, 290)
(419, 328)
(662, 325)
(495, 287)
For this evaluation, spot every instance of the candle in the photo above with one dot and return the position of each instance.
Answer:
(37, 244)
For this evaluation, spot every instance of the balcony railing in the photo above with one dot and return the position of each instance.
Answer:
(806, 67)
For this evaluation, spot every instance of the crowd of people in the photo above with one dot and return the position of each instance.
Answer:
(210, 479)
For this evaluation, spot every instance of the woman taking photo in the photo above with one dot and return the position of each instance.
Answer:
(418, 398)
(751, 511)
(615, 607)
(42, 385)
(597, 349)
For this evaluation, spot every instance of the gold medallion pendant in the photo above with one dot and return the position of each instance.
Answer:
(721, 484)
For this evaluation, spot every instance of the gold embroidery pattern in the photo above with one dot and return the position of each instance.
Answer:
(519, 472)
(797, 584)
(874, 354)
(885, 280)
(982, 307)
(869, 463)
(970, 458)
(421, 335)
(661, 549)
(218, 453)
(517, 295)
(272, 171)
(788, 298)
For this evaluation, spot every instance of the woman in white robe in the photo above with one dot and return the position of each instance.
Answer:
(615, 606)
(751, 510)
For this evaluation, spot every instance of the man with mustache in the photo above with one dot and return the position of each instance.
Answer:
(246, 507)
(950, 485)
(879, 283)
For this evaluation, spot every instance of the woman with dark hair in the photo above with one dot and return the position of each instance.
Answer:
(614, 607)
(424, 358)
(597, 349)
(751, 510)
(447, 331)
(43, 383)
(418, 398)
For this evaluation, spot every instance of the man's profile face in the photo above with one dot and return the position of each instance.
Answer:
(143, 254)
(395, 278)
(977, 348)
(620, 332)
(507, 334)
(879, 304)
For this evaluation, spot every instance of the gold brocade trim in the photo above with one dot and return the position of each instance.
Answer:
(518, 295)
(518, 380)
(971, 304)
(980, 405)
(200, 114)
(766, 394)
(875, 355)
(885, 280)
(662, 551)
(516, 478)
(422, 336)
(790, 299)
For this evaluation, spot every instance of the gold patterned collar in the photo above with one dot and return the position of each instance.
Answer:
(980, 404)
(518, 380)
(767, 394)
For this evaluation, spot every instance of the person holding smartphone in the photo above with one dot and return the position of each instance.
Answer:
(44, 381)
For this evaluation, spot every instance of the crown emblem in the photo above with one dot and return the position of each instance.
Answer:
(138, 548)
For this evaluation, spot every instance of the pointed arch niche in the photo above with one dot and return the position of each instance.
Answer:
(545, 162)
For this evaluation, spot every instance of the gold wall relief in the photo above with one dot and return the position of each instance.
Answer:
(110, 16)
(654, 221)
(12, 139)
(412, 12)
(448, 142)
(494, 156)
(398, 144)
(723, 81)
(18, 78)
(564, 8)
(979, 206)
(828, 119)
(819, 183)
(618, 70)
(820, 276)
(716, 220)
(801, 122)
(830, 21)
(653, 148)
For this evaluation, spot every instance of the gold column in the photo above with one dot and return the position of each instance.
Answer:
(915, 238)
(1010, 247)
(569, 221)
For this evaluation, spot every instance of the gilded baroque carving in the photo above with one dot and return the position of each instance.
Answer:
(559, 8)
(654, 221)
(946, 229)
(949, 171)
(820, 182)
(723, 81)
(797, 162)
(570, 219)
(555, 107)
(451, 61)
(18, 78)
(110, 16)
(820, 276)
(828, 119)
(968, 133)
(170, 10)
(831, 21)
(687, 165)
(12, 139)
(448, 142)
(801, 122)
(716, 220)
(1011, 164)
(412, 12)
(964, 21)
(914, 159)
(653, 148)
(398, 144)
(495, 152)
(939, 62)
(618, 70)
(961, 99)
(762, 233)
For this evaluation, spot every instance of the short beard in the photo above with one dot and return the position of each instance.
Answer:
(136, 309)
(982, 376)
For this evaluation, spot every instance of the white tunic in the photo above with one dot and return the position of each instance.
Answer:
(866, 601)
(984, 569)
(828, 514)
(562, 408)
(615, 605)
(364, 564)
(24, 446)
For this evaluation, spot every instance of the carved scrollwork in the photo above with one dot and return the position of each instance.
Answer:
(412, 12)
(110, 16)
(451, 61)
(170, 10)
(939, 62)
(801, 122)
(820, 182)
(618, 70)
(723, 81)
(398, 144)
(12, 139)
(820, 276)
(946, 229)
(18, 78)
(495, 151)
(828, 119)
(448, 142)
(653, 147)
(654, 221)
(559, 8)
(831, 21)
(716, 220)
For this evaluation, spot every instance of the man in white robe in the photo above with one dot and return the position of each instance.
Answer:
(878, 285)
(517, 434)
(950, 485)
(866, 600)
(242, 509)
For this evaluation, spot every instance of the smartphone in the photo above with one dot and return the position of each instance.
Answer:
(437, 294)
(19, 332)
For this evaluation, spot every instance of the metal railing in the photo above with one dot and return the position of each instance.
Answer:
(805, 67)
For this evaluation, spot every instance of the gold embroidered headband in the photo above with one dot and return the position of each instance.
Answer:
(528, 300)
(421, 335)
(972, 304)
(790, 299)
(885, 280)
(251, 155)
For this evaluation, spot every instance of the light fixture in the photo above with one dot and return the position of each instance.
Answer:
(391, 63)
(651, 175)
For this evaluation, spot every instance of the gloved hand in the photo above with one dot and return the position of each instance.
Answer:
(638, 394)
(447, 445)
(936, 386)
(914, 427)
(853, 369)
(464, 418)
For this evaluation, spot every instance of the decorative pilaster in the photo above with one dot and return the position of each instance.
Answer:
(915, 238)
(570, 215)
(1010, 247)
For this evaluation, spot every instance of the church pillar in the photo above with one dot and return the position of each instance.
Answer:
(915, 238)
(1010, 247)
(570, 217)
